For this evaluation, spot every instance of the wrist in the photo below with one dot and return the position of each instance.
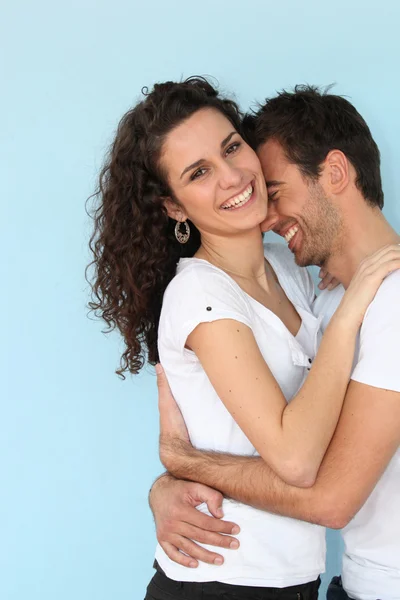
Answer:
(344, 325)
(174, 454)
(162, 481)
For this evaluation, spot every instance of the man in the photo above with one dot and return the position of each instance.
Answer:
(322, 169)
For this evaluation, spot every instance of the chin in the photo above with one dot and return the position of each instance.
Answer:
(302, 259)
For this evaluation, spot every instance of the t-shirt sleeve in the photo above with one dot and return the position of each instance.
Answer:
(203, 295)
(378, 364)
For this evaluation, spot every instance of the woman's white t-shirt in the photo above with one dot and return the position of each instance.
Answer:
(274, 551)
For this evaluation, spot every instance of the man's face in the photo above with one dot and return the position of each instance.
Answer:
(299, 208)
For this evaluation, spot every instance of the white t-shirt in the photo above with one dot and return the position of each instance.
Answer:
(371, 561)
(274, 551)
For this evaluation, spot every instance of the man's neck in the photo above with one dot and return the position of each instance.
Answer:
(363, 236)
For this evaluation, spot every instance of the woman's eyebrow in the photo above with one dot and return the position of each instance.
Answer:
(192, 166)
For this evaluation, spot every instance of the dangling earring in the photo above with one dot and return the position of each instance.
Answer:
(182, 237)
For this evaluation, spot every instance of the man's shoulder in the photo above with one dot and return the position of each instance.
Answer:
(389, 288)
(377, 364)
(386, 304)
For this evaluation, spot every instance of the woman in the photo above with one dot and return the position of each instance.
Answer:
(236, 335)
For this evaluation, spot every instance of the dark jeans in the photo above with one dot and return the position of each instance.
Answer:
(163, 588)
(336, 591)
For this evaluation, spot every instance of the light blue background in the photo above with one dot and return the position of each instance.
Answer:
(78, 447)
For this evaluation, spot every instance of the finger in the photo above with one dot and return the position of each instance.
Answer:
(207, 537)
(174, 554)
(382, 266)
(334, 283)
(209, 523)
(326, 281)
(213, 499)
(380, 255)
(387, 267)
(322, 273)
(197, 552)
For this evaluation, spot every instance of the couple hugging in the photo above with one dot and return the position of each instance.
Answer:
(280, 411)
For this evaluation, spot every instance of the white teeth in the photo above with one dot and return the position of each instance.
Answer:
(240, 199)
(290, 233)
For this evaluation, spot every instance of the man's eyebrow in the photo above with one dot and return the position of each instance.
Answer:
(273, 183)
(198, 162)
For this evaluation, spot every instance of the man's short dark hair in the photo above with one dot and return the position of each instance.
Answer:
(308, 123)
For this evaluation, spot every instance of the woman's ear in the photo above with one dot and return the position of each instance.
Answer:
(173, 209)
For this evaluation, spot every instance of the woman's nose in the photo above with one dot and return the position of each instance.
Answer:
(230, 176)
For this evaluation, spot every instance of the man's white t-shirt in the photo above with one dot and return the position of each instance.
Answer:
(371, 561)
(274, 551)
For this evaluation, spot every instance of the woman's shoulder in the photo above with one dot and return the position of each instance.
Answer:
(196, 277)
(201, 292)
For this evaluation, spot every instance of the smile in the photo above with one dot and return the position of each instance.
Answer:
(289, 234)
(239, 200)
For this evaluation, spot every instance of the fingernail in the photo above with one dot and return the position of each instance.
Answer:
(320, 285)
(193, 564)
(234, 545)
(158, 369)
(218, 561)
(235, 530)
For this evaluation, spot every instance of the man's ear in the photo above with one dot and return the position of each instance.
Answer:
(337, 171)
(173, 209)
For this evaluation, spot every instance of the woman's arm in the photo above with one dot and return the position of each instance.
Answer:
(291, 438)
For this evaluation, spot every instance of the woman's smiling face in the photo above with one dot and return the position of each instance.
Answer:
(214, 175)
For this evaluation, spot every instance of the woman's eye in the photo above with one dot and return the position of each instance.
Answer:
(197, 174)
(233, 147)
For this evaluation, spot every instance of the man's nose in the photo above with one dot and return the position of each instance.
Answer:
(269, 223)
(271, 219)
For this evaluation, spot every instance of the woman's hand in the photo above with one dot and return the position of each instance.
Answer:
(365, 283)
(328, 281)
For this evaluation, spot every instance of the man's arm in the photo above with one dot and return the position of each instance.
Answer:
(365, 440)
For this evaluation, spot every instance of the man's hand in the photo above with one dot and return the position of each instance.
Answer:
(179, 524)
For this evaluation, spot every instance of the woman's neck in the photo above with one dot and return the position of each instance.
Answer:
(240, 255)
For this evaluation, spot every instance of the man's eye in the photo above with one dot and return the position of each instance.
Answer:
(197, 173)
(272, 196)
(233, 147)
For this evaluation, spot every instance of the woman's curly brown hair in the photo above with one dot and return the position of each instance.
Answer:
(133, 244)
